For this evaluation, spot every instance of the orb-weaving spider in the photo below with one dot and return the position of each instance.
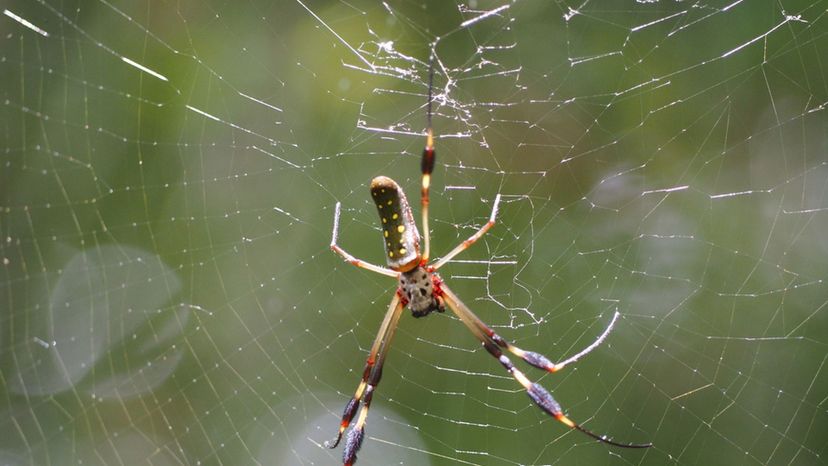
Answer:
(423, 291)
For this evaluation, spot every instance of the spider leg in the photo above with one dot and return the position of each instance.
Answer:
(351, 259)
(427, 163)
(370, 379)
(472, 239)
(536, 392)
(532, 358)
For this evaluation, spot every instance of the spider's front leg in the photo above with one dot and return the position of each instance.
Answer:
(371, 375)
(493, 344)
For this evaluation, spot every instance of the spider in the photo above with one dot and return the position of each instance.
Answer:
(423, 291)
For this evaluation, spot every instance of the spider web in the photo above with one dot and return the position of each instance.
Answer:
(168, 181)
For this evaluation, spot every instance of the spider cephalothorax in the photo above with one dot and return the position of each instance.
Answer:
(421, 290)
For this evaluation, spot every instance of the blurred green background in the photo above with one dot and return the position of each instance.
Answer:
(168, 295)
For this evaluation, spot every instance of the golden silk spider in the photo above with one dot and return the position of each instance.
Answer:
(423, 291)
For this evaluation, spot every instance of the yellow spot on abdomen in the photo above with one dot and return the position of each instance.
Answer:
(400, 228)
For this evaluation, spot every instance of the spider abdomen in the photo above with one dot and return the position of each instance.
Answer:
(400, 235)
(417, 287)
